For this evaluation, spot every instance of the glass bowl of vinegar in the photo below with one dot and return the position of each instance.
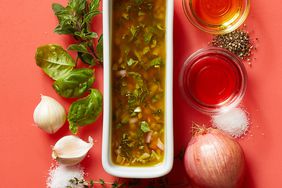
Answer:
(213, 80)
(216, 16)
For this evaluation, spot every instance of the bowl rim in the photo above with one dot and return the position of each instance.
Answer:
(147, 171)
(234, 101)
(216, 29)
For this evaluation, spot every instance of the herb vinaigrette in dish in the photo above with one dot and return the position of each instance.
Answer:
(138, 80)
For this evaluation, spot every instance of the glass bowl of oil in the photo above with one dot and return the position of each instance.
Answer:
(216, 16)
(213, 80)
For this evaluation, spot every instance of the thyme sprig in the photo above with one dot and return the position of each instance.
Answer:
(75, 182)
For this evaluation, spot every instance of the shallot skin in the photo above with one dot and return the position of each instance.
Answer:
(214, 160)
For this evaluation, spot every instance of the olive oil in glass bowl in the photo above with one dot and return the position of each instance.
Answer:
(216, 16)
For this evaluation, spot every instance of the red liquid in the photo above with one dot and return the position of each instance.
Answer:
(212, 80)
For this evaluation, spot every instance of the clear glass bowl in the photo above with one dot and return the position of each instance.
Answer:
(191, 70)
(196, 14)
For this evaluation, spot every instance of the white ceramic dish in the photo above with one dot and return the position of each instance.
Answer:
(137, 172)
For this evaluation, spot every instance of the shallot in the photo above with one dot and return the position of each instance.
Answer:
(213, 159)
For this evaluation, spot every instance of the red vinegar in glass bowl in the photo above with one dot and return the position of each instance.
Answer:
(213, 80)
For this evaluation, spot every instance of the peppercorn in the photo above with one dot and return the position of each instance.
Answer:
(237, 42)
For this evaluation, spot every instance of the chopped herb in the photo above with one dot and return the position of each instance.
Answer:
(125, 16)
(147, 37)
(158, 112)
(157, 97)
(156, 62)
(160, 27)
(131, 62)
(144, 126)
(154, 44)
(138, 1)
(118, 126)
(146, 50)
(134, 30)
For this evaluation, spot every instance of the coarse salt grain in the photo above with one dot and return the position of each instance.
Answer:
(234, 122)
(60, 175)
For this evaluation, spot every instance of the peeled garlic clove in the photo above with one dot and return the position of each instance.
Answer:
(71, 150)
(49, 115)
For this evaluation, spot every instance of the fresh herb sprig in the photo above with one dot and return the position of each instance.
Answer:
(69, 80)
(75, 20)
(85, 184)
(161, 182)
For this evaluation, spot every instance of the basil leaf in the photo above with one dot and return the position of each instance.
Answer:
(82, 47)
(93, 11)
(94, 5)
(99, 48)
(85, 111)
(54, 61)
(144, 126)
(57, 8)
(86, 58)
(85, 35)
(75, 84)
(66, 19)
(77, 5)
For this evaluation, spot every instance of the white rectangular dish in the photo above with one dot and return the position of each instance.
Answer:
(165, 166)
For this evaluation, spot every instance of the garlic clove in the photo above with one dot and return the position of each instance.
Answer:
(71, 150)
(49, 115)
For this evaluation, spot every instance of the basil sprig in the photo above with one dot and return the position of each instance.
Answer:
(70, 81)
(75, 20)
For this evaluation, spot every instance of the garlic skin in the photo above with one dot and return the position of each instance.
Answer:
(71, 150)
(49, 115)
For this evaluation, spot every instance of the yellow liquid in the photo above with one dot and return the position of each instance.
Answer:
(138, 38)
(216, 12)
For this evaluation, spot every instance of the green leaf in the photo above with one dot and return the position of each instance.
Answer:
(57, 8)
(54, 61)
(84, 35)
(82, 47)
(147, 37)
(115, 184)
(157, 62)
(99, 48)
(77, 5)
(144, 126)
(131, 62)
(75, 84)
(85, 110)
(89, 16)
(93, 11)
(138, 1)
(94, 5)
(102, 182)
(86, 58)
(67, 21)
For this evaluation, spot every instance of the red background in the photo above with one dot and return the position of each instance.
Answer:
(25, 150)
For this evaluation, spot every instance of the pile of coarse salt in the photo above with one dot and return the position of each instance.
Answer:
(60, 175)
(234, 122)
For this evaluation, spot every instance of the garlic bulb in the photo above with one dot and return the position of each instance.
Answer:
(71, 150)
(49, 115)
